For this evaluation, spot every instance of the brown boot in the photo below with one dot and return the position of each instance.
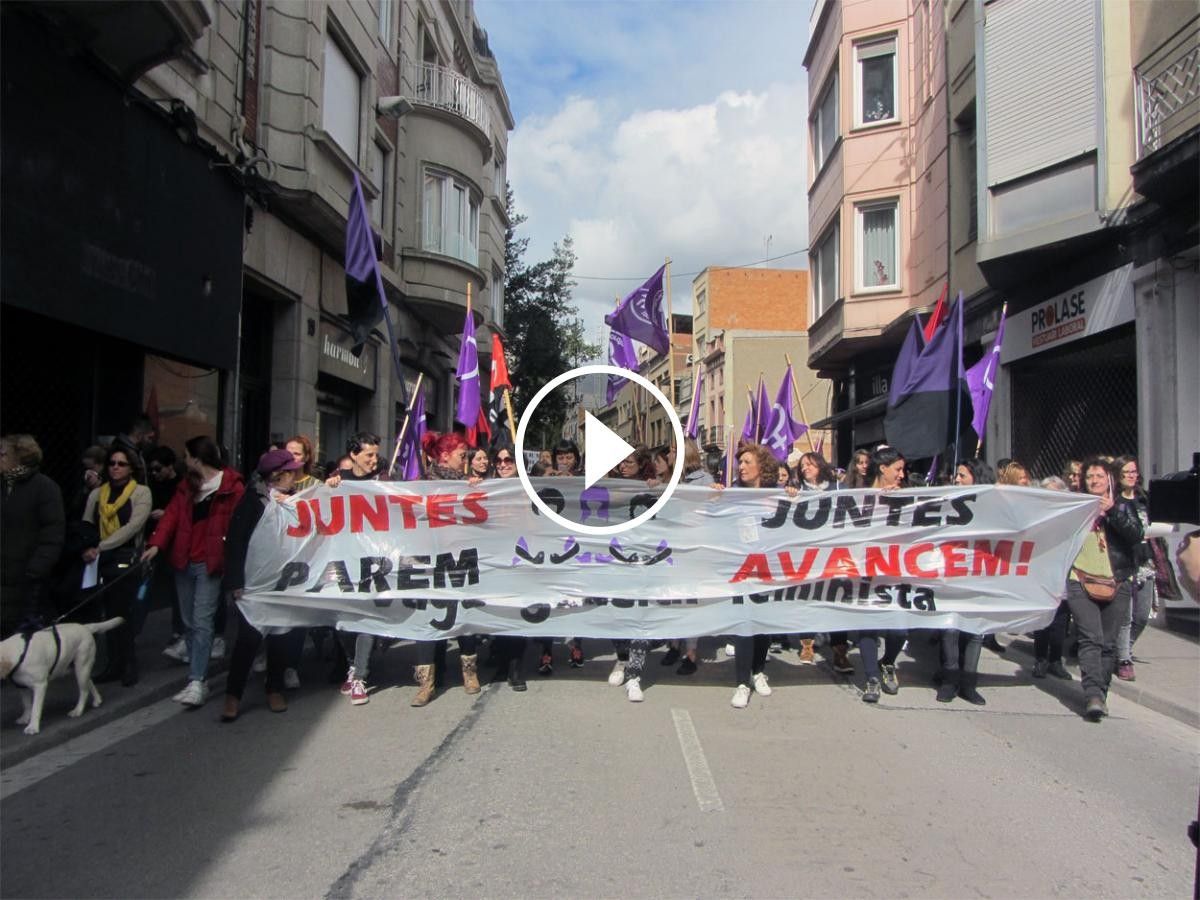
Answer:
(470, 678)
(424, 676)
(277, 702)
(807, 658)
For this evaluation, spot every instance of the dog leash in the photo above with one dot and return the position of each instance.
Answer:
(53, 629)
(94, 594)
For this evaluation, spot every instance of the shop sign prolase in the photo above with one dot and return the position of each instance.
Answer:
(1090, 308)
(334, 357)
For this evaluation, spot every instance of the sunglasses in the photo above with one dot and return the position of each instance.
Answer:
(118, 465)
(500, 460)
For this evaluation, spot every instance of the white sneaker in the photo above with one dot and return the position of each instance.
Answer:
(194, 694)
(633, 690)
(291, 680)
(218, 651)
(178, 651)
(729, 650)
(617, 677)
(741, 697)
(179, 696)
(760, 684)
(260, 663)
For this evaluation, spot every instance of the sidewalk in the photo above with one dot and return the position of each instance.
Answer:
(1167, 666)
(160, 678)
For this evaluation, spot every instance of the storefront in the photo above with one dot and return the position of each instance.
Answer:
(1070, 363)
(345, 384)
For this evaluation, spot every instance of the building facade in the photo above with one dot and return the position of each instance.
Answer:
(877, 198)
(224, 290)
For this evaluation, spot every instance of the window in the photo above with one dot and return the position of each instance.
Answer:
(386, 8)
(875, 89)
(876, 246)
(701, 301)
(499, 185)
(451, 217)
(824, 124)
(971, 166)
(379, 174)
(824, 261)
(498, 297)
(341, 104)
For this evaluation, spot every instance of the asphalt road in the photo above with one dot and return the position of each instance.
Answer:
(569, 790)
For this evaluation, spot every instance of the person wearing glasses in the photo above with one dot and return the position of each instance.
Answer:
(509, 649)
(120, 509)
(1143, 596)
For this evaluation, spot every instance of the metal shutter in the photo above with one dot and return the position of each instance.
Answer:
(1041, 94)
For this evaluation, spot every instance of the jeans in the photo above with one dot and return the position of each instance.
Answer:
(427, 651)
(199, 595)
(1048, 641)
(636, 654)
(246, 645)
(749, 656)
(868, 649)
(1141, 602)
(1097, 625)
(956, 642)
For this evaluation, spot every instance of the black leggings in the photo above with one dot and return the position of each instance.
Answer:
(749, 656)
(1048, 641)
(245, 648)
(427, 651)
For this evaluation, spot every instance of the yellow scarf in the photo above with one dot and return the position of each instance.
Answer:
(109, 522)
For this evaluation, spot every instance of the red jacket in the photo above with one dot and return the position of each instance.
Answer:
(173, 535)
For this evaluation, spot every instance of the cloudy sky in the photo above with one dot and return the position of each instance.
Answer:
(647, 129)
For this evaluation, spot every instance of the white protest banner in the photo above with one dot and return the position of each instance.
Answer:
(434, 559)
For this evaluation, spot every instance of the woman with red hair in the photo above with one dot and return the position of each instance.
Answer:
(447, 455)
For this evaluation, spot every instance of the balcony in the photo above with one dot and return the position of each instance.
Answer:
(1168, 92)
(436, 87)
(1168, 121)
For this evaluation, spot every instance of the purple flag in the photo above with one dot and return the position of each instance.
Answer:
(762, 411)
(365, 300)
(925, 411)
(621, 353)
(750, 426)
(781, 428)
(693, 425)
(409, 464)
(467, 374)
(981, 379)
(641, 315)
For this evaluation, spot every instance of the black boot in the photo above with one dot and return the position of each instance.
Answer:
(516, 678)
(967, 690)
(948, 689)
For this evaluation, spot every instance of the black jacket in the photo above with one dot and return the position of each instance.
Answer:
(31, 541)
(241, 526)
(1124, 534)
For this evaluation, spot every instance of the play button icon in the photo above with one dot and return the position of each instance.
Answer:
(602, 450)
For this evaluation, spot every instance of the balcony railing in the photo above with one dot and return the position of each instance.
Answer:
(443, 88)
(1168, 91)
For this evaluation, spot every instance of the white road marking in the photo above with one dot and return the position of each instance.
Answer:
(693, 754)
(54, 760)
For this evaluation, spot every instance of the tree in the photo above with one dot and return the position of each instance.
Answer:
(545, 336)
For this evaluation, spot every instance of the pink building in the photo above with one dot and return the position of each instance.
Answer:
(877, 197)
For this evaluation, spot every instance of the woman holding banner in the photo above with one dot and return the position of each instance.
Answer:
(448, 455)
(631, 655)
(756, 466)
(1098, 588)
(509, 650)
(963, 680)
(885, 473)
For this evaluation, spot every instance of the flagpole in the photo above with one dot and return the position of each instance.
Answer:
(467, 461)
(730, 462)
(958, 380)
(760, 424)
(404, 425)
(671, 341)
(800, 402)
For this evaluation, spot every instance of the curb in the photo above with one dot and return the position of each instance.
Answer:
(109, 711)
(1140, 695)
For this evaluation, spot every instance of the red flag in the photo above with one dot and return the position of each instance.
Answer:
(499, 365)
(940, 312)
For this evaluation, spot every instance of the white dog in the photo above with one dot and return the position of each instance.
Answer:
(76, 646)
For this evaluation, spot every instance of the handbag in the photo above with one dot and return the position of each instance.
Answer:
(1094, 553)
(1100, 588)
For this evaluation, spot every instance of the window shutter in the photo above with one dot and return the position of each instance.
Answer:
(1040, 84)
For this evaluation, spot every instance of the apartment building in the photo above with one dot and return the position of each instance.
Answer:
(747, 323)
(1074, 199)
(877, 197)
(188, 225)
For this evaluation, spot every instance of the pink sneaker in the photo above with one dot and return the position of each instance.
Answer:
(348, 683)
(358, 692)
(1125, 671)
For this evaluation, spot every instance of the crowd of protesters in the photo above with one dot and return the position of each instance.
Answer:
(142, 524)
